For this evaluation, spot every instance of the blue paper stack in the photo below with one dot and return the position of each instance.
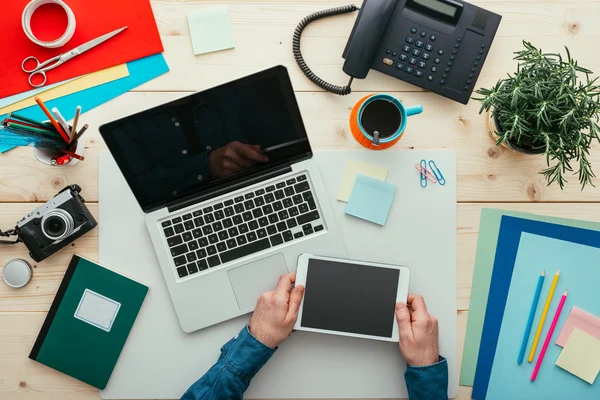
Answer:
(524, 248)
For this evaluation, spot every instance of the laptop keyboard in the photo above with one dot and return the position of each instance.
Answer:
(245, 224)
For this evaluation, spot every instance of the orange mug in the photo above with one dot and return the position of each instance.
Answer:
(378, 121)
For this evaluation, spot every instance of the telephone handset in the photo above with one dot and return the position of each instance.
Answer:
(439, 45)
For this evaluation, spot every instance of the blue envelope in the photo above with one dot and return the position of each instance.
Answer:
(140, 71)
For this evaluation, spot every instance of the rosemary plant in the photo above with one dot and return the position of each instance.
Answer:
(549, 106)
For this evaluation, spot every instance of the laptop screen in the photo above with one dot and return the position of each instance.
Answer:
(209, 139)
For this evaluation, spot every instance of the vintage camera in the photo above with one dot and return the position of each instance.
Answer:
(57, 223)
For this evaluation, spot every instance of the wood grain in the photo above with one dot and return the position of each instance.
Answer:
(487, 176)
(485, 172)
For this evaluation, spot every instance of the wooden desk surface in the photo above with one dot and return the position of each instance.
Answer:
(488, 176)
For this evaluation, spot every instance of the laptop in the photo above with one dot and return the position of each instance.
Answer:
(231, 193)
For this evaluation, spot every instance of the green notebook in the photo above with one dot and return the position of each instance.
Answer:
(88, 322)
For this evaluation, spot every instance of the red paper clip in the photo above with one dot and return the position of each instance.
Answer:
(426, 173)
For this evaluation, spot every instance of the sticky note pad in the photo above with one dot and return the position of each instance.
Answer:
(579, 319)
(353, 168)
(210, 30)
(371, 199)
(581, 356)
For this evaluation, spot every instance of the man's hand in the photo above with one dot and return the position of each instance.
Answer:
(276, 312)
(234, 157)
(418, 332)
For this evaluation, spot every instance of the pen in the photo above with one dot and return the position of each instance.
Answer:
(80, 133)
(75, 121)
(62, 121)
(51, 118)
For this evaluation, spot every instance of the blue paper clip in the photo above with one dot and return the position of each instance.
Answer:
(437, 173)
(423, 177)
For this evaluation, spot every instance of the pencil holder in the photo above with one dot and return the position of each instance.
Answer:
(47, 155)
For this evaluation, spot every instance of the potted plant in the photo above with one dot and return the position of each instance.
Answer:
(549, 106)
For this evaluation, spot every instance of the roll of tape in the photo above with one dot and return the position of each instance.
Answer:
(61, 41)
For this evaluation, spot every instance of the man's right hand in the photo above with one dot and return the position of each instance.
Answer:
(418, 332)
(234, 157)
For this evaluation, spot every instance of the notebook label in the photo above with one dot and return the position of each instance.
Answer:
(97, 310)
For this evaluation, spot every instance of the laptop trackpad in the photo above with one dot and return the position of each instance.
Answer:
(250, 280)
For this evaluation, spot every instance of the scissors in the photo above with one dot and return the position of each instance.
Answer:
(54, 62)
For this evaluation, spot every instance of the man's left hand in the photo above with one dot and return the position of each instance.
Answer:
(276, 312)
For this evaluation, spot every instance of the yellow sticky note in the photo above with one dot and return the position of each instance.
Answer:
(76, 85)
(353, 168)
(581, 356)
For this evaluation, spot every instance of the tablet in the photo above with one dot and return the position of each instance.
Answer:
(350, 298)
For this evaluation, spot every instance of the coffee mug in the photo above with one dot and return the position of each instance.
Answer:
(378, 121)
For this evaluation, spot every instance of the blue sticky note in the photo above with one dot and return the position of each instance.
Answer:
(371, 199)
(140, 71)
(580, 274)
(511, 230)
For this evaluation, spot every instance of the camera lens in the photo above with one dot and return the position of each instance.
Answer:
(57, 224)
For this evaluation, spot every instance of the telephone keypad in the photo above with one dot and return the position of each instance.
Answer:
(425, 56)
(409, 69)
(403, 57)
(400, 66)
(412, 60)
(406, 49)
(416, 52)
(419, 73)
(420, 43)
(422, 64)
(428, 47)
(410, 40)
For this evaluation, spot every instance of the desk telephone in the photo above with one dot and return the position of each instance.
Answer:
(439, 45)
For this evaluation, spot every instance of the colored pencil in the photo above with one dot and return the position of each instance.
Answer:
(63, 122)
(75, 121)
(16, 121)
(31, 121)
(536, 299)
(30, 129)
(549, 335)
(51, 118)
(538, 333)
(80, 133)
(74, 155)
(29, 133)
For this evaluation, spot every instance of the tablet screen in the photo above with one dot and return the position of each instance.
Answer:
(350, 298)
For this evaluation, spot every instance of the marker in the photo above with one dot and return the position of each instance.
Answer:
(62, 121)
(75, 121)
(543, 318)
(51, 118)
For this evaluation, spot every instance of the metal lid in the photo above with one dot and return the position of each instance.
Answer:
(17, 273)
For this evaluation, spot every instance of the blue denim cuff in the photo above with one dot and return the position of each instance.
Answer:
(429, 382)
(245, 355)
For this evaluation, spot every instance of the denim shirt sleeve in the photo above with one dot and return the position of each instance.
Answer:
(241, 358)
(429, 382)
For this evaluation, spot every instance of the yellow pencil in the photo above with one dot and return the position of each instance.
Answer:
(538, 333)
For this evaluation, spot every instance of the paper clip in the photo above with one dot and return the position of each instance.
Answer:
(423, 177)
(426, 175)
(438, 174)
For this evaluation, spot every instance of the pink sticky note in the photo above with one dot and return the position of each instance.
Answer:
(579, 319)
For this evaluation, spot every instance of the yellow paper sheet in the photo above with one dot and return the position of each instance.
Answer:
(353, 168)
(74, 86)
(581, 356)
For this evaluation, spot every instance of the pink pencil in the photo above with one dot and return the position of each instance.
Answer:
(549, 335)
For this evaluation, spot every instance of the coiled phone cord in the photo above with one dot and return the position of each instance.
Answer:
(339, 90)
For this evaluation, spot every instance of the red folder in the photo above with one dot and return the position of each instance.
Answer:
(94, 18)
